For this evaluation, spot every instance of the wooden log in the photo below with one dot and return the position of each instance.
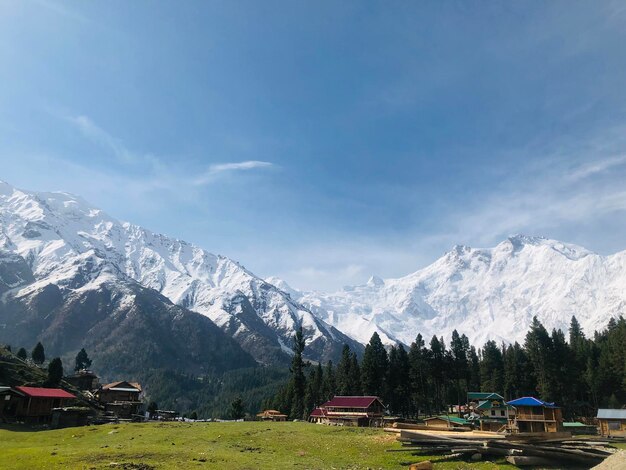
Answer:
(426, 465)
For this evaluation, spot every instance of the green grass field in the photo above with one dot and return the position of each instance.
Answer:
(248, 445)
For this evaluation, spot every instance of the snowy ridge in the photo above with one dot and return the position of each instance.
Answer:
(61, 237)
(485, 293)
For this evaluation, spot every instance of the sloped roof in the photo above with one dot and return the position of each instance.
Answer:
(122, 386)
(40, 392)
(351, 402)
(488, 404)
(531, 401)
(607, 413)
(275, 413)
(484, 396)
(574, 424)
(318, 412)
(449, 419)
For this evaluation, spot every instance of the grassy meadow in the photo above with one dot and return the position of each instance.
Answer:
(248, 445)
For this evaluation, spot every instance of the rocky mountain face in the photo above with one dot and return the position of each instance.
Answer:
(485, 293)
(74, 276)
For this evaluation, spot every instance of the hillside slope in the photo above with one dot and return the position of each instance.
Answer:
(58, 252)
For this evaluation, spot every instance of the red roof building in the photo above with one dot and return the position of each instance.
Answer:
(350, 411)
(35, 404)
(40, 392)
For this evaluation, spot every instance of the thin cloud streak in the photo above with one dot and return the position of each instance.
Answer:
(218, 168)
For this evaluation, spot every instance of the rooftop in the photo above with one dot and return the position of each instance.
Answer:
(606, 413)
(351, 402)
(40, 392)
(531, 401)
(449, 419)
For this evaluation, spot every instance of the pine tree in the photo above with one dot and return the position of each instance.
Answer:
(459, 351)
(38, 355)
(374, 367)
(538, 346)
(492, 368)
(356, 387)
(330, 385)
(55, 372)
(398, 380)
(298, 380)
(343, 376)
(418, 373)
(82, 360)
(22, 354)
(474, 370)
(237, 409)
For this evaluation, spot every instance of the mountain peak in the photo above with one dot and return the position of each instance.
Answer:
(375, 281)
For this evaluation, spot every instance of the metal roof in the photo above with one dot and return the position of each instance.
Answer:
(350, 402)
(450, 419)
(611, 414)
(531, 401)
(40, 392)
(484, 396)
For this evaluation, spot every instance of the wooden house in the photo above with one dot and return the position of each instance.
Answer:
(488, 410)
(272, 415)
(534, 415)
(9, 400)
(119, 392)
(612, 422)
(350, 411)
(35, 404)
(84, 380)
(445, 421)
(121, 399)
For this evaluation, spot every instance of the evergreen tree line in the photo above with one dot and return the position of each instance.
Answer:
(55, 366)
(580, 374)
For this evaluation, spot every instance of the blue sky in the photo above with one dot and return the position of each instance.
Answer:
(324, 141)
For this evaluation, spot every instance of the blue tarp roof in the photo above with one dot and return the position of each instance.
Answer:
(530, 401)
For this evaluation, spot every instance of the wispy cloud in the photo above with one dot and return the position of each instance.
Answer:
(218, 168)
(88, 128)
(596, 167)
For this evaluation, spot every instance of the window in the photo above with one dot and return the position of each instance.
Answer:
(614, 425)
(501, 412)
(493, 412)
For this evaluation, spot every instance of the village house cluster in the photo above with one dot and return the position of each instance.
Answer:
(40, 405)
(484, 411)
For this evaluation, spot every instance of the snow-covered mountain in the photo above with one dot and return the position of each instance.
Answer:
(485, 293)
(59, 239)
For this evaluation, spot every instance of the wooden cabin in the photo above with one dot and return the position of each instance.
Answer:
(488, 411)
(119, 392)
(35, 404)
(534, 415)
(121, 399)
(350, 411)
(9, 400)
(84, 380)
(444, 422)
(612, 422)
(272, 415)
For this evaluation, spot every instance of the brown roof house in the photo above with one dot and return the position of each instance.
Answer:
(84, 380)
(272, 415)
(350, 411)
(121, 398)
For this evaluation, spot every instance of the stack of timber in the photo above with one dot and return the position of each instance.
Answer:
(547, 449)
